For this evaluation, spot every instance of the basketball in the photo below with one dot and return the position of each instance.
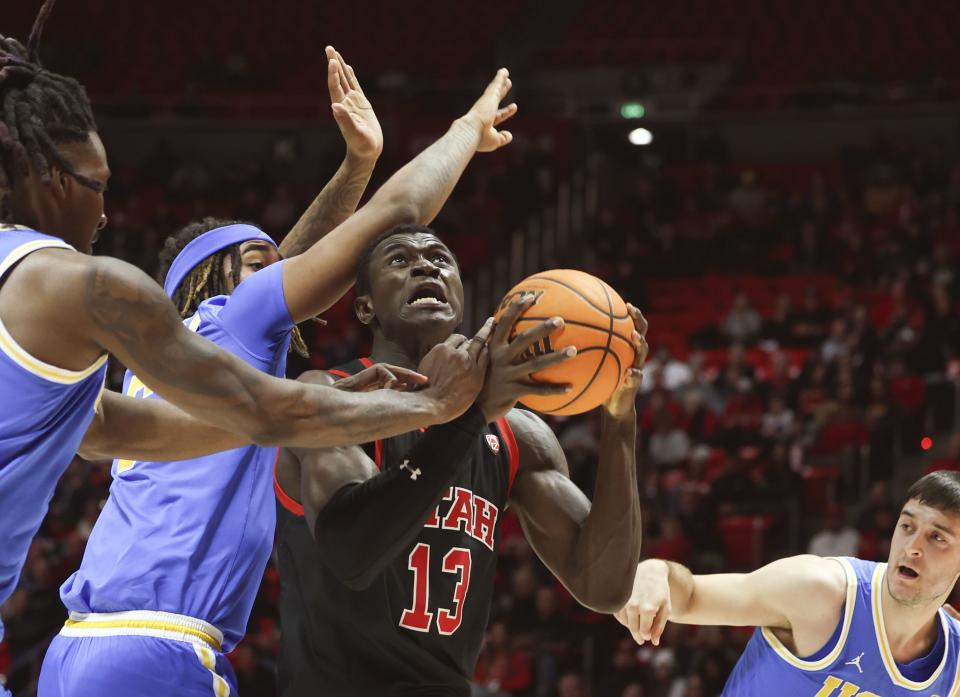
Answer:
(596, 321)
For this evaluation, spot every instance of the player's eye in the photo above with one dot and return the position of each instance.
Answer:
(442, 259)
(256, 265)
(396, 258)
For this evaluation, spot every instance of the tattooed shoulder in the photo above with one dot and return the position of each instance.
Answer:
(124, 301)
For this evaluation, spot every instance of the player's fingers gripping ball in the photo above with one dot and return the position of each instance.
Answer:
(596, 321)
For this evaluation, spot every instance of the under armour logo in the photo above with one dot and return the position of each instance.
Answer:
(415, 472)
(856, 662)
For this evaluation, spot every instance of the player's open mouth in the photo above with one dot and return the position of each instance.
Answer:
(428, 295)
(906, 572)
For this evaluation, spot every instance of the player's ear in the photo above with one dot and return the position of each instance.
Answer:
(363, 307)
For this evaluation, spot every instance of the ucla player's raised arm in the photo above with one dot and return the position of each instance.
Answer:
(128, 315)
(800, 597)
(316, 279)
(361, 132)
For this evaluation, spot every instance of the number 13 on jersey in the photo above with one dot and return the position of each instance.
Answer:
(418, 618)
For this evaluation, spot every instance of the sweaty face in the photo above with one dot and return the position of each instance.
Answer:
(924, 554)
(415, 281)
(254, 255)
(82, 216)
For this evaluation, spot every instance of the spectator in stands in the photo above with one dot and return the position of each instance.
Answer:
(735, 491)
(669, 444)
(836, 343)
(742, 417)
(571, 685)
(553, 636)
(695, 687)
(777, 423)
(701, 382)
(742, 323)
(699, 422)
(624, 670)
(735, 368)
(837, 538)
(671, 544)
(810, 323)
(663, 680)
(777, 329)
(951, 459)
(673, 374)
(502, 669)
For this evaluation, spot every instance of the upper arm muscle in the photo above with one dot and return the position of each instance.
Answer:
(550, 506)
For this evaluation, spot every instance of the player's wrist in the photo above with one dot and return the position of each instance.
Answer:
(361, 160)
(471, 121)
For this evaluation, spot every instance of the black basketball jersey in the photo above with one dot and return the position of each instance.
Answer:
(418, 628)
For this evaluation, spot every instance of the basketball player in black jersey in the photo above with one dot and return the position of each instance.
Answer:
(387, 553)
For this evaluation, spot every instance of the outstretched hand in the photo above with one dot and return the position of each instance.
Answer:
(621, 402)
(512, 362)
(490, 115)
(352, 110)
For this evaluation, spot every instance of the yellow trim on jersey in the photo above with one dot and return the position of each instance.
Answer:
(955, 690)
(834, 654)
(145, 623)
(16, 352)
(221, 688)
(885, 653)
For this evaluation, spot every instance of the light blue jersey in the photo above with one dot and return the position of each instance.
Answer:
(44, 412)
(192, 538)
(857, 661)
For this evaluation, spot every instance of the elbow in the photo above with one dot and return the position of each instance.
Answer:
(604, 593)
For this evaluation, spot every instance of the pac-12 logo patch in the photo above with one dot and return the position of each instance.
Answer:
(494, 443)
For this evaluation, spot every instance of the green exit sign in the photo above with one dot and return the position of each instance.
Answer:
(632, 110)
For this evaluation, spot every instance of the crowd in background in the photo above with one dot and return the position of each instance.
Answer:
(773, 427)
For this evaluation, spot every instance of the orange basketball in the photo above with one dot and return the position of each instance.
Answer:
(596, 321)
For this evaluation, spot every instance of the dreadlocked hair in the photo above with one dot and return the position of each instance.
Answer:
(39, 110)
(207, 279)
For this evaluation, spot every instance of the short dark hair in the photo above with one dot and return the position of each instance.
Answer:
(939, 489)
(363, 266)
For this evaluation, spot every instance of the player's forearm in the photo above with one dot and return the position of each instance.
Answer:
(350, 531)
(318, 416)
(335, 203)
(427, 181)
(140, 429)
(608, 547)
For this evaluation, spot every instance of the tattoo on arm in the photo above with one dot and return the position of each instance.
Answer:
(335, 203)
(140, 326)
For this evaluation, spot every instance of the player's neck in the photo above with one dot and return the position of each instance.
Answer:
(402, 354)
(911, 629)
